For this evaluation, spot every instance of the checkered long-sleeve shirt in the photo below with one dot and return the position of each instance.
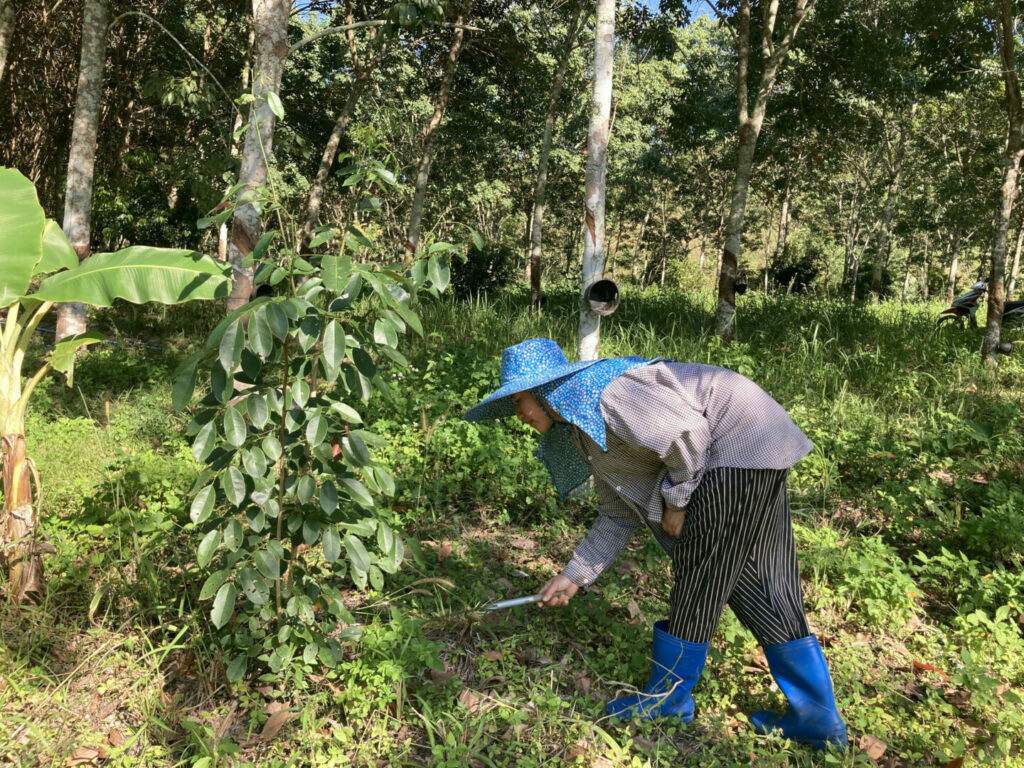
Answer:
(667, 424)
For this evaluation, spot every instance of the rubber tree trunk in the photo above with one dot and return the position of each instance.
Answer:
(6, 32)
(750, 122)
(855, 266)
(536, 257)
(891, 197)
(783, 236)
(222, 233)
(1011, 287)
(82, 159)
(270, 25)
(412, 236)
(588, 338)
(954, 262)
(1008, 191)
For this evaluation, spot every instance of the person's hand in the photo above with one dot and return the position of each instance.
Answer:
(557, 592)
(672, 521)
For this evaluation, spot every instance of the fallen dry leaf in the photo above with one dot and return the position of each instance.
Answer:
(959, 699)
(521, 542)
(956, 762)
(645, 744)
(602, 762)
(469, 700)
(633, 609)
(82, 756)
(972, 387)
(274, 725)
(444, 551)
(440, 676)
(582, 684)
(491, 655)
(874, 747)
(115, 738)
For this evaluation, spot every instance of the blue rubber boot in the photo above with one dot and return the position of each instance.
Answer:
(675, 668)
(799, 668)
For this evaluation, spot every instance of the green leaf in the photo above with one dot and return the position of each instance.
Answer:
(202, 505)
(212, 583)
(331, 543)
(235, 671)
(261, 338)
(271, 447)
(223, 605)
(376, 578)
(310, 531)
(308, 332)
(139, 274)
(477, 239)
(207, 547)
(57, 251)
(21, 234)
(234, 426)
(185, 381)
(437, 269)
(328, 497)
(233, 534)
(278, 321)
(364, 363)
(355, 450)
(62, 358)
(259, 413)
(348, 413)
(364, 527)
(384, 332)
(253, 586)
(316, 430)
(333, 350)
(254, 463)
(322, 237)
(305, 489)
(231, 345)
(205, 441)
(358, 492)
(274, 102)
(410, 317)
(334, 271)
(300, 393)
(232, 483)
(267, 564)
(357, 554)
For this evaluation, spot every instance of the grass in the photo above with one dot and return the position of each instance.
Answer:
(908, 516)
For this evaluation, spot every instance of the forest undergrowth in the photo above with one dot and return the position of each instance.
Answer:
(908, 515)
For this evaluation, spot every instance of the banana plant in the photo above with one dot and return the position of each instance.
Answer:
(40, 269)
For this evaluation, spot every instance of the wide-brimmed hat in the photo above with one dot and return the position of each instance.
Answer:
(525, 366)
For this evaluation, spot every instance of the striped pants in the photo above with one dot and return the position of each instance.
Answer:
(737, 546)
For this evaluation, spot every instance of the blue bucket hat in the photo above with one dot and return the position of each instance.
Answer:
(525, 366)
(573, 390)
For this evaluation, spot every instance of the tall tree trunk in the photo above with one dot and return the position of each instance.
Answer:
(1008, 192)
(412, 237)
(222, 233)
(82, 160)
(855, 266)
(954, 262)
(891, 196)
(1011, 288)
(270, 24)
(702, 252)
(750, 121)
(926, 264)
(780, 241)
(906, 276)
(6, 32)
(588, 338)
(639, 244)
(540, 186)
(316, 192)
